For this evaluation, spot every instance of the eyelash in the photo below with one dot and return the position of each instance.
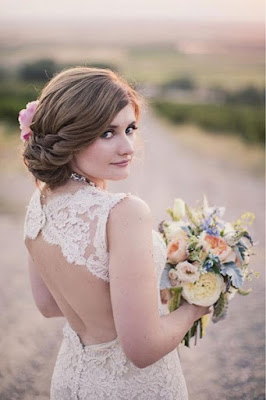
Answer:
(134, 127)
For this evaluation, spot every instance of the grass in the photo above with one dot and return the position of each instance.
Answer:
(228, 71)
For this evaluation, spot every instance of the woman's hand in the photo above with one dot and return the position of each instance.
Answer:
(198, 311)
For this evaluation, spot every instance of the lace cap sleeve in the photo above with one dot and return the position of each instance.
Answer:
(35, 217)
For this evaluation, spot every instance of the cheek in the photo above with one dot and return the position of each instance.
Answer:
(99, 152)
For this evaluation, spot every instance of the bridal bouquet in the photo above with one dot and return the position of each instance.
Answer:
(207, 259)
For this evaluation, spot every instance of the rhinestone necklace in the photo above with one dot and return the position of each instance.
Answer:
(80, 178)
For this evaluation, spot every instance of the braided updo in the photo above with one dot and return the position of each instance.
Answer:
(74, 109)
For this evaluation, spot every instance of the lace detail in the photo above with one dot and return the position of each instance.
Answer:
(102, 371)
(77, 224)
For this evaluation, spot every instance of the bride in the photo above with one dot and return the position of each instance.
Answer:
(94, 258)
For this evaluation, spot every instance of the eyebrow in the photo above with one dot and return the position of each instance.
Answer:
(117, 126)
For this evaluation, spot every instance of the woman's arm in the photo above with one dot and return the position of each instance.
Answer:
(144, 335)
(41, 294)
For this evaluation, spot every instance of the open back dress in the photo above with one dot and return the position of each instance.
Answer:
(76, 224)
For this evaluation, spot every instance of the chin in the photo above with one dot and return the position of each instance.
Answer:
(120, 178)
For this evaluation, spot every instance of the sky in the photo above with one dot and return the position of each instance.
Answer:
(195, 10)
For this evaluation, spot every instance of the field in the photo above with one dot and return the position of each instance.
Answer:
(223, 55)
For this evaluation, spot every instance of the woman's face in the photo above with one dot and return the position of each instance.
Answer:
(98, 161)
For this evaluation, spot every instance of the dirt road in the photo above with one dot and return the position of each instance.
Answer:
(228, 363)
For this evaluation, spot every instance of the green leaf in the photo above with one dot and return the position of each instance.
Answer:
(201, 328)
(220, 308)
(216, 269)
(190, 216)
(174, 302)
(244, 292)
(170, 212)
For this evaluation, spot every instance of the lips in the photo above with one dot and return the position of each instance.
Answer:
(121, 162)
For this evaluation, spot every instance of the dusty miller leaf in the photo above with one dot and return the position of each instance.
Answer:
(165, 281)
(232, 270)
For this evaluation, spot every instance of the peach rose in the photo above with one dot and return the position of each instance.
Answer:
(177, 248)
(173, 274)
(173, 277)
(220, 248)
(187, 272)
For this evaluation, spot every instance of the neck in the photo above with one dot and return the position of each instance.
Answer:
(100, 183)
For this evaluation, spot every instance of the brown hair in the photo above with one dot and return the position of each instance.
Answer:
(74, 109)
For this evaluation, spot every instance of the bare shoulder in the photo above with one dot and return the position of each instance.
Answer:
(129, 209)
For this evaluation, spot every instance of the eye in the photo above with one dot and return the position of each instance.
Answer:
(105, 135)
(131, 129)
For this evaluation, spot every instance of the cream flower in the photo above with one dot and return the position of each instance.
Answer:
(177, 248)
(206, 291)
(179, 209)
(174, 229)
(187, 272)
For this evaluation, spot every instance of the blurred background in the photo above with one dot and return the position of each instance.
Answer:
(200, 67)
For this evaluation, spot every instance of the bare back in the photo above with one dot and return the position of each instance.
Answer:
(66, 238)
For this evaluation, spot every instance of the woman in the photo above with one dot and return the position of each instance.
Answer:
(93, 255)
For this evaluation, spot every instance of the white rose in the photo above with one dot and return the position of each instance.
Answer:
(206, 291)
(174, 229)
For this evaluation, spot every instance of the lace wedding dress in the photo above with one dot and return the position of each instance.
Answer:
(99, 371)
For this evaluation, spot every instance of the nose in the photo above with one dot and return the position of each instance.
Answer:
(126, 145)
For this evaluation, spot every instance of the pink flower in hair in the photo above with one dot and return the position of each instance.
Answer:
(25, 119)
